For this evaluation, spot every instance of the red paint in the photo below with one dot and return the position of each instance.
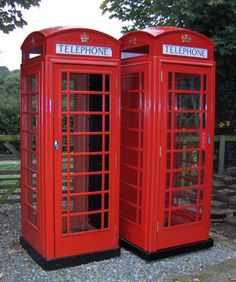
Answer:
(70, 194)
(167, 114)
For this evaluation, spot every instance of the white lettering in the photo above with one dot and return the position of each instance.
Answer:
(83, 50)
(184, 51)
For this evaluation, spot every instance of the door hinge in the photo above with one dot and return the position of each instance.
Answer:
(161, 76)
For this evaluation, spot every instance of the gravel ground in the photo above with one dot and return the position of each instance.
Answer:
(16, 265)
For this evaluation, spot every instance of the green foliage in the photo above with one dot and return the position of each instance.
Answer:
(214, 18)
(4, 71)
(10, 103)
(11, 13)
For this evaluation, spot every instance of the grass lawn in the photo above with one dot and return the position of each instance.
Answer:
(10, 165)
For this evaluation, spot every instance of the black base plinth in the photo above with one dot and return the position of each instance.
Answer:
(167, 252)
(53, 264)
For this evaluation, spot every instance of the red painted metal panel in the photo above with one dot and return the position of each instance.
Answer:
(70, 193)
(86, 209)
(186, 155)
(178, 125)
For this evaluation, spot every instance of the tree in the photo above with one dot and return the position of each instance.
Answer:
(4, 71)
(10, 102)
(214, 18)
(11, 13)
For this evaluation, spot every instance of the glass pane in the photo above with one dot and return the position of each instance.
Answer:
(64, 123)
(85, 222)
(83, 183)
(186, 159)
(129, 138)
(166, 219)
(169, 120)
(185, 178)
(183, 216)
(186, 140)
(170, 101)
(204, 107)
(85, 103)
(32, 216)
(187, 121)
(30, 103)
(185, 81)
(30, 160)
(129, 156)
(131, 100)
(184, 198)
(85, 163)
(107, 103)
(106, 180)
(187, 101)
(168, 180)
(129, 175)
(106, 201)
(29, 141)
(106, 162)
(106, 220)
(130, 120)
(107, 123)
(107, 82)
(84, 143)
(204, 83)
(78, 204)
(128, 211)
(107, 142)
(169, 80)
(31, 198)
(85, 82)
(31, 84)
(33, 122)
(31, 179)
(64, 225)
(85, 123)
(129, 194)
(130, 81)
(64, 103)
(64, 81)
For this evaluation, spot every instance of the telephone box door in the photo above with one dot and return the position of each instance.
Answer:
(84, 158)
(187, 151)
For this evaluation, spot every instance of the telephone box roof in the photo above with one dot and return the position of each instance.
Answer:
(151, 41)
(44, 34)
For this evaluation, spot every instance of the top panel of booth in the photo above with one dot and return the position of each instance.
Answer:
(168, 42)
(70, 41)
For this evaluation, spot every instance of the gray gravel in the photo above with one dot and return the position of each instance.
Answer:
(16, 265)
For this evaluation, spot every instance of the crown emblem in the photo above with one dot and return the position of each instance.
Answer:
(186, 38)
(84, 37)
(133, 41)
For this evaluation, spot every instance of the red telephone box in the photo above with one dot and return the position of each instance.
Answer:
(69, 146)
(167, 123)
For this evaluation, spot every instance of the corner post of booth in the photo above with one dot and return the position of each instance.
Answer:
(167, 133)
(70, 146)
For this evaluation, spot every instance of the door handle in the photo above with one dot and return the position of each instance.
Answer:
(56, 145)
(209, 139)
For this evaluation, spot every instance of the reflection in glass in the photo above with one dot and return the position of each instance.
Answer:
(187, 120)
(187, 101)
(186, 81)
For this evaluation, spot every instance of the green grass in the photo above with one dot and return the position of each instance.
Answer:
(14, 165)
